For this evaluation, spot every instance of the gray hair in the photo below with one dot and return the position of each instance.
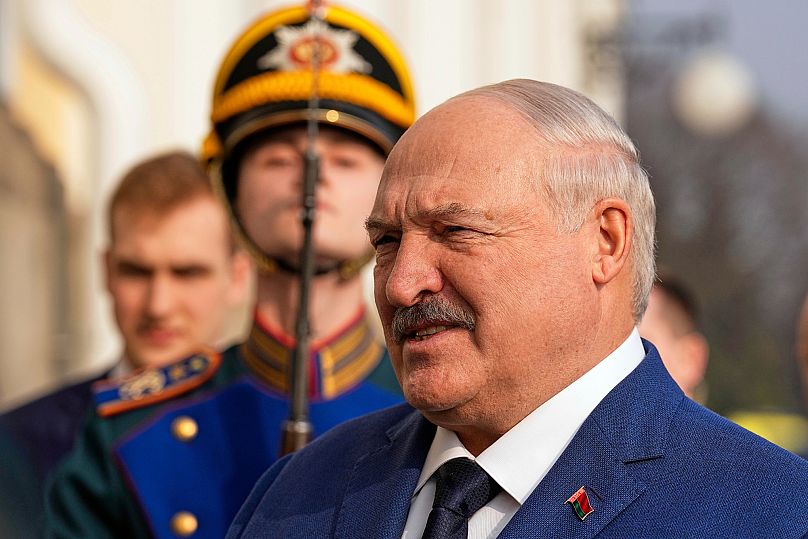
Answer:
(589, 158)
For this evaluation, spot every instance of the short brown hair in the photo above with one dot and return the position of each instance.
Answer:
(160, 184)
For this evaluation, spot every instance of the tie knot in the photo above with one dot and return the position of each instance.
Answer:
(463, 487)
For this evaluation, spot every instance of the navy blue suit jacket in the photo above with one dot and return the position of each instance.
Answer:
(654, 465)
(34, 438)
(46, 429)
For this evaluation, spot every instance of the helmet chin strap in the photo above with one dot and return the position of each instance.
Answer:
(345, 269)
(321, 269)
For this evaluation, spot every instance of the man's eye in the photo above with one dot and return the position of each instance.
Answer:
(446, 230)
(383, 240)
(133, 271)
(279, 162)
(190, 272)
(345, 162)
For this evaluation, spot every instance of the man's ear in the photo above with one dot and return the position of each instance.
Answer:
(695, 353)
(613, 237)
(241, 269)
(106, 261)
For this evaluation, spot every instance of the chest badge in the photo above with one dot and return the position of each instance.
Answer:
(580, 504)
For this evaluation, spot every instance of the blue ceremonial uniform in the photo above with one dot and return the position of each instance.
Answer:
(654, 464)
(167, 467)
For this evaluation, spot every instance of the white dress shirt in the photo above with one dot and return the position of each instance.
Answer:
(521, 458)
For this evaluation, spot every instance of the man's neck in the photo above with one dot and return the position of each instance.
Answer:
(332, 302)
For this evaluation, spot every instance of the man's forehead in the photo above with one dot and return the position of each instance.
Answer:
(199, 225)
(134, 254)
(201, 208)
(298, 134)
(425, 210)
(463, 137)
(445, 179)
(467, 153)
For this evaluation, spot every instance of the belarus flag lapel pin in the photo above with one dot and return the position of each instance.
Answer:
(580, 503)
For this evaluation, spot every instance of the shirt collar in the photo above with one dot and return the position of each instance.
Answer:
(122, 368)
(521, 458)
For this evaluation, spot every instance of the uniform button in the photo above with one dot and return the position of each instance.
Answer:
(184, 524)
(184, 428)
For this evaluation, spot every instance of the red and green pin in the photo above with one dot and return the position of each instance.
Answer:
(580, 503)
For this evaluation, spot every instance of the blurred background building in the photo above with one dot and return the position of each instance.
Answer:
(88, 87)
(713, 91)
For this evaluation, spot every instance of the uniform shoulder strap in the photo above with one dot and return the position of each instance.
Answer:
(154, 384)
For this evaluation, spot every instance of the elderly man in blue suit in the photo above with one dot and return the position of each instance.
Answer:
(514, 236)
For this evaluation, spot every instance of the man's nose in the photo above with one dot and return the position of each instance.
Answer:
(161, 297)
(415, 272)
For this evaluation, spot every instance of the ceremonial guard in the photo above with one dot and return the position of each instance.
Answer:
(315, 92)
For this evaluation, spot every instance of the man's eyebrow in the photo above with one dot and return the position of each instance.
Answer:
(374, 223)
(444, 211)
(453, 209)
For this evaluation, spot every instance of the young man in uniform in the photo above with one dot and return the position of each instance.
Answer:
(169, 293)
(175, 451)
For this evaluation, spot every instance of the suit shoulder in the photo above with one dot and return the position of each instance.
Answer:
(727, 445)
(351, 438)
(72, 398)
(374, 424)
(699, 419)
(155, 385)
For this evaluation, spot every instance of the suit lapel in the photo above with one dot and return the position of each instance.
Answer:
(589, 462)
(629, 425)
(377, 499)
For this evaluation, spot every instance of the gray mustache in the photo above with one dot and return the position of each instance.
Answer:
(434, 311)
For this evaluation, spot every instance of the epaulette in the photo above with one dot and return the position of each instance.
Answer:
(154, 384)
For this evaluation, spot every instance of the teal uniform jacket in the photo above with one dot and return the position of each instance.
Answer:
(174, 452)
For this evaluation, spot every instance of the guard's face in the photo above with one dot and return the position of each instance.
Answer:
(270, 187)
(172, 278)
(457, 223)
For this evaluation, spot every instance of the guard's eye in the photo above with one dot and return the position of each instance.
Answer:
(279, 161)
(345, 161)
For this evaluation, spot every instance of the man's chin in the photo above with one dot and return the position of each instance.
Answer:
(323, 262)
(159, 358)
(431, 401)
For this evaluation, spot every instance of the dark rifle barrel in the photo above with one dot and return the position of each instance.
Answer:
(297, 430)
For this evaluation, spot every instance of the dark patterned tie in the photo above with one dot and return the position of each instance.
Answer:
(462, 489)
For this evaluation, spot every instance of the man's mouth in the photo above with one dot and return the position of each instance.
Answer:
(158, 335)
(429, 317)
(427, 332)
